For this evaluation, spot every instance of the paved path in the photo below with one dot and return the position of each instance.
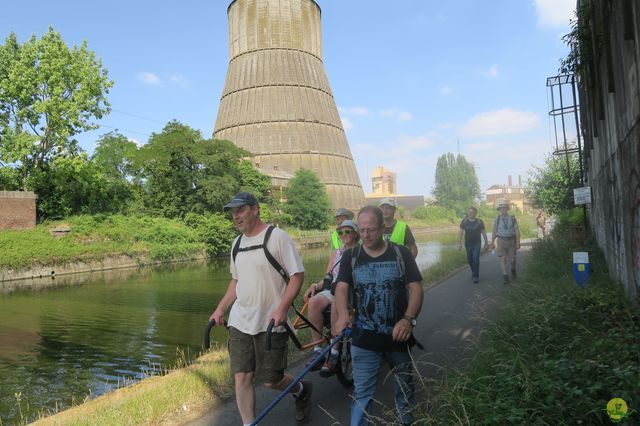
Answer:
(451, 319)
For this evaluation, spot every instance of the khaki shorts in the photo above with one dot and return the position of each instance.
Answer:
(248, 354)
(506, 247)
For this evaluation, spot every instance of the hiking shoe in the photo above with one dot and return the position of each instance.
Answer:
(476, 280)
(303, 402)
(317, 363)
(505, 279)
(513, 273)
(330, 366)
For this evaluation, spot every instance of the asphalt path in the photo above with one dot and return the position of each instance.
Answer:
(452, 317)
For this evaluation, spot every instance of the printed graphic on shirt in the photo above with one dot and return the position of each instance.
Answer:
(378, 293)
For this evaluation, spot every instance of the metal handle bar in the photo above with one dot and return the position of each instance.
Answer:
(290, 332)
(207, 332)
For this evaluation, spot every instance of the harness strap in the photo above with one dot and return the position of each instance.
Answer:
(272, 260)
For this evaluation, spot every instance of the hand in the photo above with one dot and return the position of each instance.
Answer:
(279, 317)
(311, 291)
(218, 317)
(402, 331)
(340, 324)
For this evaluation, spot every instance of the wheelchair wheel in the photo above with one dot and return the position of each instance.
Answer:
(344, 371)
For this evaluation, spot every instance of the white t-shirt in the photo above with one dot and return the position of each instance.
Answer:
(260, 287)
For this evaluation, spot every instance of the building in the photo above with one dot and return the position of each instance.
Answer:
(17, 210)
(514, 194)
(383, 182)
(277, 102)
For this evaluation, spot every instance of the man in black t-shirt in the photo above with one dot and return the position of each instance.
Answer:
(473, 228)
(386, 284)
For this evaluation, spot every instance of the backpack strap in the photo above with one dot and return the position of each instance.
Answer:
(272, 260)
(400, 260)
(236, 248)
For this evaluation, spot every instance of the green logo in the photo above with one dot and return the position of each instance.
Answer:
(617, 409)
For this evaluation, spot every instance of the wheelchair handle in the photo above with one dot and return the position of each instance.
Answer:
(290, 332)
(207, 333)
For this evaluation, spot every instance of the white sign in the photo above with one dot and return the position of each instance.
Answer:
(582, 195)
(580, 257)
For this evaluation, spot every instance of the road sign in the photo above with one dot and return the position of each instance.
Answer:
(582, 195)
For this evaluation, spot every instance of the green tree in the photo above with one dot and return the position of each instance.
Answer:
(456, 184)
(251, 180)
(181, 172)
(48, 93)
(307, 201)
(551, 187)
(114, 155)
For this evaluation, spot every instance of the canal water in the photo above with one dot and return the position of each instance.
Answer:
(60, 344)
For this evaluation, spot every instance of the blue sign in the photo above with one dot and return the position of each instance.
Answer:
(581, 268)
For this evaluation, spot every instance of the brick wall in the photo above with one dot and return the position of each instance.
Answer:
(17, 210)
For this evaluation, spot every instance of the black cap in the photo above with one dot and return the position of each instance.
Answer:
(241, 199)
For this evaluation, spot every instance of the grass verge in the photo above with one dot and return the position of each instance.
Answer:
(450, 260)
(554, 354)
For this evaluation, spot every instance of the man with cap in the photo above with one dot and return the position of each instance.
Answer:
(257, 294)
(507, 234)
(395, 230)
(341, 215)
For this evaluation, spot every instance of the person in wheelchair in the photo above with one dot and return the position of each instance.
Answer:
(320, 296)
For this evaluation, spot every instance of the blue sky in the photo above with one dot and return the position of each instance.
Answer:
(411, 78)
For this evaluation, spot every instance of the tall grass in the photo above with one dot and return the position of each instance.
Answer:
(554, 354)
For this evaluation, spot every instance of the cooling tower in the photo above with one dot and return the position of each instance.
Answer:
(277, 103)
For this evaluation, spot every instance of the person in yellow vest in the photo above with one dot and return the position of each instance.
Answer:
(395, 230)
(341, 215)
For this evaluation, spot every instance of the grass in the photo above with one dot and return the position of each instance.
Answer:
(191, 389)
(554, 353)
(94, 237)
(450, 260)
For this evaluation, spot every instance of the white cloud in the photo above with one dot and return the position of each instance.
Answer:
(149, 78)
(397, 114)
(491, 72)
(346, 123)
(358, 111)
(136, 141)
(445, 90)
(554, 13)
(180, 81)
(499, 122)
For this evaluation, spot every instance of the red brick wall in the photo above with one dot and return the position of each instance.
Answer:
(17, 210)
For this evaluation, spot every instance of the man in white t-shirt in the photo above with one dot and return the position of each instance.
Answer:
(257, 294)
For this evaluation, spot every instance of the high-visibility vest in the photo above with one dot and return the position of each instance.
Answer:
(399, 231)
(335, 240)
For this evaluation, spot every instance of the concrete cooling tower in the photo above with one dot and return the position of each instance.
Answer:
(277, 102)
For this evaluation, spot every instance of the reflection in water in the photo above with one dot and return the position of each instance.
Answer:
(60, 344)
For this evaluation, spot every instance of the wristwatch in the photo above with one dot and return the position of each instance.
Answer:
(411, 320)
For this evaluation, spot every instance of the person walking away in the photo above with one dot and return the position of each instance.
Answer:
(395, 230)
(257, 294)
(320, 297)
(541, 221)
(473, 228)
(386, 286)
(341, 215)
(507, 233)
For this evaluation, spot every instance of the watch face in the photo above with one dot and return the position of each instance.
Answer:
(414, 322)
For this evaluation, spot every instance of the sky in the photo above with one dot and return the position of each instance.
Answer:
(412, 79)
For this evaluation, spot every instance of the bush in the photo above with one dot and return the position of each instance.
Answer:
(436, 214)
(214, 229)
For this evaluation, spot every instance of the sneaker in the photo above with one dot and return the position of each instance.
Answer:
(476, 280)
(303, 402)
(330, 366)
(317, 363)
(505, 279)
(513, 273)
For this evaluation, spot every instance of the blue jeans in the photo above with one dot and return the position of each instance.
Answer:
(366, 367)
(473, 257)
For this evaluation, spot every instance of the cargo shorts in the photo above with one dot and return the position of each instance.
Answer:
(249, 354)
(506, 247)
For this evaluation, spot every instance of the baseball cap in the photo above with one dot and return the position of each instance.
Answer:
(344, 212)
(503, 205)
(241, 199)
(390, 201)
(350, 224)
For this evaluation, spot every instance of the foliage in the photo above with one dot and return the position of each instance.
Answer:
(9, 179)
(48, 93)
(580, 42)
(555, 353)
(251, 180)
(113, 156)
(307, 201)
(435, 214)
(551, 187)
(214, 229)
(456, 184)
(182, 172)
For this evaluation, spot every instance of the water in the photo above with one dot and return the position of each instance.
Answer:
(61, 344)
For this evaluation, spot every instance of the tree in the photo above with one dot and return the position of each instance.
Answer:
(181, 172)
(456, 184)
(307, 201)
(551, 187)
(114, 155)
(48, 93)
(251, 180)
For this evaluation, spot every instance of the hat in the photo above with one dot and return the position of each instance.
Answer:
(344, 212)
(503, 204)
(390, 201)
(350, 224)
(241, 199)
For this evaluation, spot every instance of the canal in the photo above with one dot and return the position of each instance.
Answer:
(60, 345)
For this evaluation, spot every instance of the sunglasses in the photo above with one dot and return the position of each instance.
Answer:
(345, 232)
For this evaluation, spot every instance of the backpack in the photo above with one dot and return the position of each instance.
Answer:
(512, 219)
(272, 260)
